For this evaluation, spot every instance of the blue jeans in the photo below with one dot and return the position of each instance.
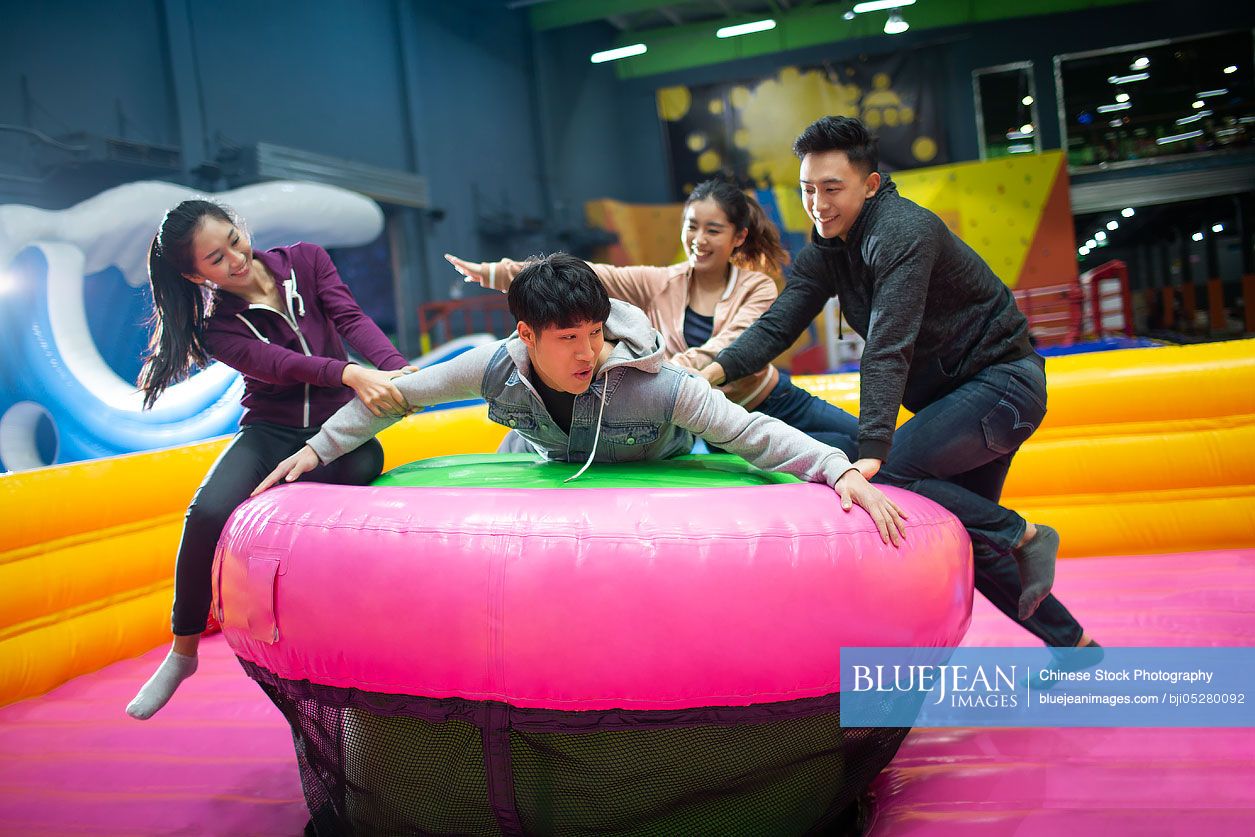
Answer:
(956, 452)
(815, 417)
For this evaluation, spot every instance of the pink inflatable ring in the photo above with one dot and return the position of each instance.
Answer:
(654, 649)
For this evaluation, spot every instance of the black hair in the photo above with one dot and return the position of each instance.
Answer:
(761, 250)
(840, 133)
(558, 290)
(180, 307)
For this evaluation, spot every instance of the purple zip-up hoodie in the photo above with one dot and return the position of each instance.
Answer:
(293, 360)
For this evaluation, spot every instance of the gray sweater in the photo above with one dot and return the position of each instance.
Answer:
(932, 312)
(638, 407)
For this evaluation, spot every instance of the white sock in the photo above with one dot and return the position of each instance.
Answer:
(161, 686)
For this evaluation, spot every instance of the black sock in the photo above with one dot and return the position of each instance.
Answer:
(1036, 560)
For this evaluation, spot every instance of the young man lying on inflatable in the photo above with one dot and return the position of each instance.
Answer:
(583, 379)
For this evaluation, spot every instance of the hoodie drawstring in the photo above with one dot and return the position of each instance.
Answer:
(295, 296)
(596, 434)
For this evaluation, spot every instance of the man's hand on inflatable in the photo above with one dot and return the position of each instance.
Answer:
(868, 467)
(854, 488)
(303, 461)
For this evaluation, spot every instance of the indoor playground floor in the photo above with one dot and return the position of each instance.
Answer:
(219, 760)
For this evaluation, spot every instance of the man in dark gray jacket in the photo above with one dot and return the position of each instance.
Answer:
(944, 338)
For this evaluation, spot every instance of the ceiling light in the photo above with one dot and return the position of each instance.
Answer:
(1091, 244)
(1122, 97)
(1197, 236)
(1026, 101)
(1140, 63)
(1219, 91)
(1232, 68)
(849, 15)
(746, 28)
(877, 5)
(1026, 128)
(1186, 120)
(1127, 79)
(1113, 225)
(1100, 236)
(1021, 148)
(1127, 212)
(1198, 103)
(895, 25)
(616, 54)
(1110, 108)
(1178, 137)
(1217, 227)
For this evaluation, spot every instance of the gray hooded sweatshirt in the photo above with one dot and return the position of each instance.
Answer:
(638, 407)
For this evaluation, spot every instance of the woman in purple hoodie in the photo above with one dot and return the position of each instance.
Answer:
(279, 317)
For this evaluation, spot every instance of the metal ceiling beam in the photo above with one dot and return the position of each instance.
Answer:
(695, 45)
(559, 13)
(1110, 193)
(669, 14)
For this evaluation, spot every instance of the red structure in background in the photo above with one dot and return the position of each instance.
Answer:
(813, 360)
(440, 322)
(1053, 312)
(1096, 305)
(1108, 305)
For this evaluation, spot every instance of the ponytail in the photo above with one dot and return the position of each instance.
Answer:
(180, 307)
(761, 250)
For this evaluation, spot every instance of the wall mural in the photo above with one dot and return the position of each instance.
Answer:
(745, 130)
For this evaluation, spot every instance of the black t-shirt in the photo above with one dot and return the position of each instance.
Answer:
(559, 404)
(697, 328)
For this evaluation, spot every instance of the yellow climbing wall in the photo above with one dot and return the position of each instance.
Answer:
(1013, 211)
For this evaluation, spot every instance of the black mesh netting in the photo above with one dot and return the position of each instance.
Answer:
(377, 764)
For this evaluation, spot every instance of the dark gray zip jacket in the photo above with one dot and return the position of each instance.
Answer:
(932, 312)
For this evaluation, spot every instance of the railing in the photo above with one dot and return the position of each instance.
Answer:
(440, 322)
(1054, 313)
(1108, 304)
(1097, 305)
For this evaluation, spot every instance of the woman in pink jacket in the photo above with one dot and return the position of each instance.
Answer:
(277, 316)
(702, 305)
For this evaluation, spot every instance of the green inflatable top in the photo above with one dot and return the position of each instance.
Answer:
(523, 470)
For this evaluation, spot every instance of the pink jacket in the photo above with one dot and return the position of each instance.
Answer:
(663, 294)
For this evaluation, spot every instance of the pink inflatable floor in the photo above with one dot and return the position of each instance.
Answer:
(1080, 782)
(219, 759)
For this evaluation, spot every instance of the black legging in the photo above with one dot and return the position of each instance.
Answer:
(251, 456)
